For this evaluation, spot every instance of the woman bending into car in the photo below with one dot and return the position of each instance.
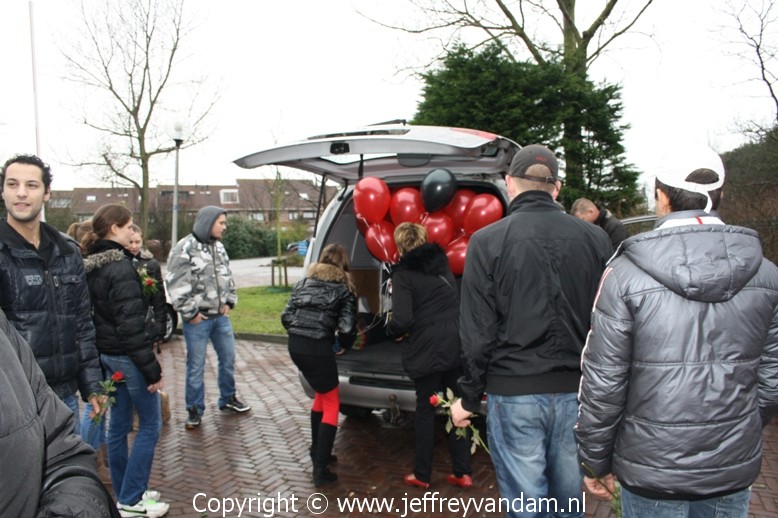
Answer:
(321, 304)
(425, 313)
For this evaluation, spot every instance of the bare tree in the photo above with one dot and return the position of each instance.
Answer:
(756, 22)
(522, 26)
(125, 54)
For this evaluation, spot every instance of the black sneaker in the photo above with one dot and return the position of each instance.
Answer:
(194, 419)
(235, 406)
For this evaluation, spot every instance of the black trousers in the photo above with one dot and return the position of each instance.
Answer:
(458, 448)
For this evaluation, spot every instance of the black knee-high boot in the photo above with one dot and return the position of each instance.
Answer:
(321, 454)
(315, 422)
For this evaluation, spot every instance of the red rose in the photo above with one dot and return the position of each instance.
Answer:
(117, 376)
(149, 282)
(434, 400)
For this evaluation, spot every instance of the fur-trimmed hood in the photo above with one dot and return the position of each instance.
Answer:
(104, 252)
(327, 273)
(429, 259)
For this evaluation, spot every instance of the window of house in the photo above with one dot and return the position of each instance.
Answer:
(257, 216)
(293, 216)
(91, 197)
(309, 214)
(229, 196)
(59, 203)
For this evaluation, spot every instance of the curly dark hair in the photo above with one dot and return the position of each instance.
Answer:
(29, 160)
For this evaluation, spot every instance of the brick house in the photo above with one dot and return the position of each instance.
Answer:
(250, 198)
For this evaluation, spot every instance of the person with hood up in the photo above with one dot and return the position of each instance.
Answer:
(425, 316)
(202, 290)
(680, 369)
(321, 304)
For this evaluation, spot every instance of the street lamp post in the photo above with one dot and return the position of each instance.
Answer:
(176, 132)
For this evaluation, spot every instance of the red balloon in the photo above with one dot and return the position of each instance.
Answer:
(440, 230)
(362, 224)
(456, 251)
(371, 199)
(406, 205)
(458, 205)
(482, 210)
(380, 241)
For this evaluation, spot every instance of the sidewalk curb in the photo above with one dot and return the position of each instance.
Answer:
(273, 339)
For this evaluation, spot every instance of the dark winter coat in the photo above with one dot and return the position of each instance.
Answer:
(37, 440)
(681, 366)
(156, 319)
(613, 226)
(120, 308)
(425, 308)
(320, 305)
(49, 306)
(527, 294)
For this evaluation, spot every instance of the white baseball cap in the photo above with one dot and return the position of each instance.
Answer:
(677, 164)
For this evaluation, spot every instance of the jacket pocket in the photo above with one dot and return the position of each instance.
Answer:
(67, 287)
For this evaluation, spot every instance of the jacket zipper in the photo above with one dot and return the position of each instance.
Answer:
(216, 275)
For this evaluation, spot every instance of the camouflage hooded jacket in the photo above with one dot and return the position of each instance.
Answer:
(198, 276)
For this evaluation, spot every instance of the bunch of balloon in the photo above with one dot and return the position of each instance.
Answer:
(450, 215)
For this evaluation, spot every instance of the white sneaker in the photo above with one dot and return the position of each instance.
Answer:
(144, 508)
(151, 494)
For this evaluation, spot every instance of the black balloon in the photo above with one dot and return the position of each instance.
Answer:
(437, 189)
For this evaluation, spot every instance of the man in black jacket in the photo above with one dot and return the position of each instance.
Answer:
(529, 283)
(586, 210)
(43, 288)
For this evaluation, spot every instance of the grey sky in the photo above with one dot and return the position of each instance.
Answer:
(291, 69)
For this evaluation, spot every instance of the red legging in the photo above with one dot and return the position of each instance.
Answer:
(329, 404)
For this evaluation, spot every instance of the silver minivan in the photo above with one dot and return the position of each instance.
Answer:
(372, 378)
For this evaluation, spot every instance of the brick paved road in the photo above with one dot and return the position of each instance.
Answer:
(266, 451)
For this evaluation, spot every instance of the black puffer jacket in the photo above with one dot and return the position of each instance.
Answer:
(425, 306)
(37, 441)
(120, 308)
(681, 365)
(49, 306)
(321, 304)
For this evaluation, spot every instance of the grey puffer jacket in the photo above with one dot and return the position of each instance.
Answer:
(680, 370)
(37, 444)
(321, 304)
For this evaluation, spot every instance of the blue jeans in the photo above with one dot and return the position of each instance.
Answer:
(92, 434)
(533, 450)
(730, 506)
(130, 471)
(72, 402)
(219, 331)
